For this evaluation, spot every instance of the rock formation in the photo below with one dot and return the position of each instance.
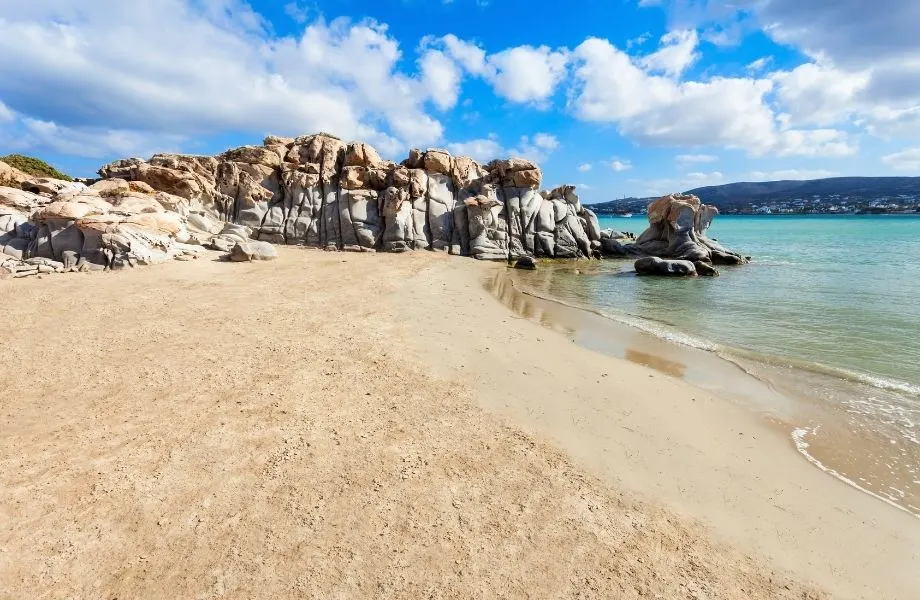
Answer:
(319, 191)
(677, 230)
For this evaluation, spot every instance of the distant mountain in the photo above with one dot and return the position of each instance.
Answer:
(740, 195)
(854, 191)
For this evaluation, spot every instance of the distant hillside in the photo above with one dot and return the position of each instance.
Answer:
(33, 166)
(741, 195)
(815, 194)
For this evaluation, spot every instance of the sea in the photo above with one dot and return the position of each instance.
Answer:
(826, 319)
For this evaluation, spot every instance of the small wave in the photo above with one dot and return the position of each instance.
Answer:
(875, 381)
(798, 437)
(733, 354)
(646, 325)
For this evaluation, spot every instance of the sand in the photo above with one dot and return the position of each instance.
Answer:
(345, 425)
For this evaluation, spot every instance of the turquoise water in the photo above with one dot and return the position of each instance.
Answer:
(829, 311)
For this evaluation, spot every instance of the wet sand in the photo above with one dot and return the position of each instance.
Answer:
(381, 426)
(828, 418)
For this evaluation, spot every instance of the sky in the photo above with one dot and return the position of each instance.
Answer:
(620, 97)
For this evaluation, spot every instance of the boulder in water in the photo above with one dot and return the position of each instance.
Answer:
(652, 265)
(526, 263)
(677, 230)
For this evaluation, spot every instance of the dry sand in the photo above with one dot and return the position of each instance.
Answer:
(332, 425)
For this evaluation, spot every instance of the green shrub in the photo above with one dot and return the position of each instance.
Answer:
(33, 166)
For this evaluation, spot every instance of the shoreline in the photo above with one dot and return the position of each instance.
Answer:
(365, 425)
(782, 389)
(711, 459)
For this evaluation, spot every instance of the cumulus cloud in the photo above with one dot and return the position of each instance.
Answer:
(441, 78)
(905, 160)
(732, 112)
(676, 54)
(521, 74)
(620, 165)
(864, 67)
(185, 68)
(585, 167)
(526, 74)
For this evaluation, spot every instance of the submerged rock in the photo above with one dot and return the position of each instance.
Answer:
(526, 263)
(705, 269)
(652, 265)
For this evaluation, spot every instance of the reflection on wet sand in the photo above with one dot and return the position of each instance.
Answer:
(533, 309)
(668, 367)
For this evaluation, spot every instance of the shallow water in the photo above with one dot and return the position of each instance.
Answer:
(828, 314)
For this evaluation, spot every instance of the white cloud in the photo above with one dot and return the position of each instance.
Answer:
(527, 74)
(469, 55)
(676, 53)
(537, 148)
(585, 167)
(296, 12)
(638, 41)
(522, 74)
(647, 3)
(759, 65)
(732, 112)
(182, 68)
(441, 78)
(818, 94)
(620, 165)
(545, 141)
(6, 114)
(695, 158)
(905, 160)
(483, 149)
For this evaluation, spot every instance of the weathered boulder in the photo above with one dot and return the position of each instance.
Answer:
(526, 263)
(705, 269)
(250, 251)
(677, 229)
(652, 265)
(488, 225)
(11, 176)
(112, 187)
(49, 186)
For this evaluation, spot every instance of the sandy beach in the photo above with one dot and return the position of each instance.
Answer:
(378, 425)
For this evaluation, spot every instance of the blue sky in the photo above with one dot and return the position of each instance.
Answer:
(623, 97)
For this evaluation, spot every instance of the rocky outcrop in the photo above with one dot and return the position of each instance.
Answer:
(11, 176)
(320, 191)
(677, 230)
(102, 227)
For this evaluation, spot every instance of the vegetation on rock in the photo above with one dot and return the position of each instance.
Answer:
(33, 166)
